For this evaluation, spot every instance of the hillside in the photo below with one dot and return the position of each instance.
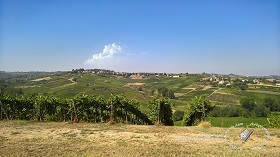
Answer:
(140, 87)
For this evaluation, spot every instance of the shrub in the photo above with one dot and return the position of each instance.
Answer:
(248, 103)
(271, 104)
(274, 121)
(261, 111)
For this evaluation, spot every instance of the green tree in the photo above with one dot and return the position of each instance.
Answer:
(160, 111)
(200, 106)
(165, 92)
(248, 103)
(261, 111)
(271, 104)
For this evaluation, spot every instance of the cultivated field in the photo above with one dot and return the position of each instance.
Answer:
(185, 88)
(28, 138)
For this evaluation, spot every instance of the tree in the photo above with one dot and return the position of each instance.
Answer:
(248, 103)
(164, 92)
(271, 104)
(160, 111)
(261, 111)
(199, 107)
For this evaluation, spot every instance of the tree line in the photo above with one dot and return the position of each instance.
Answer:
(248, 108)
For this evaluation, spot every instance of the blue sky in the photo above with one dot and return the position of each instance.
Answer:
(217, 36)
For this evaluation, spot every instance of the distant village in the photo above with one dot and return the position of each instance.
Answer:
(226, 80)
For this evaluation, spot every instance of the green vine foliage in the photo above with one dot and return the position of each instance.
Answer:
(195, 113)
(274, 121)
(82, 107)
(160, 111)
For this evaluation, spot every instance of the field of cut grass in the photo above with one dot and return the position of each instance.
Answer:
(25, 138)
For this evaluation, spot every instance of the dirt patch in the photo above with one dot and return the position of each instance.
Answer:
(41, 79)
(188, 88)
(134, 84)
(207, 87)
(179, 94)
(136, 77)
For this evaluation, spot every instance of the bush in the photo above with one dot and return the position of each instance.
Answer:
(248, 103)
(274, 121)
(271, 104)
(261, 111)
(244, 113)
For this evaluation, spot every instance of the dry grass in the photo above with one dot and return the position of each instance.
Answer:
(205, 124)
(22, 138)
(133, 84)
(41, 79)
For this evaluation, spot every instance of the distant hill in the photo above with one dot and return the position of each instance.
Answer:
(181, 88)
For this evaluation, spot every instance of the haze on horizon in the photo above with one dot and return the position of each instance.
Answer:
(240, 37)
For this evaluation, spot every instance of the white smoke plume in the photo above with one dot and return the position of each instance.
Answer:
(109, 51)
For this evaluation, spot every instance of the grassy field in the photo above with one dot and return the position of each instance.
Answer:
(27, 138)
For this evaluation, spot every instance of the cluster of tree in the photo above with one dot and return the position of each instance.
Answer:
(227, 111)
(240, 85)
(259, 110)
(80, 108)
(164, 92)
(200, 106)
(248, 108)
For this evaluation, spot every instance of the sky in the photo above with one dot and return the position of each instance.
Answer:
(218, 36)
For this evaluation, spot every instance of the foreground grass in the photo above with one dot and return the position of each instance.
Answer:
(23, 138)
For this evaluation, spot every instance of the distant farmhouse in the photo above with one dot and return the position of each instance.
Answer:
(256, 81)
